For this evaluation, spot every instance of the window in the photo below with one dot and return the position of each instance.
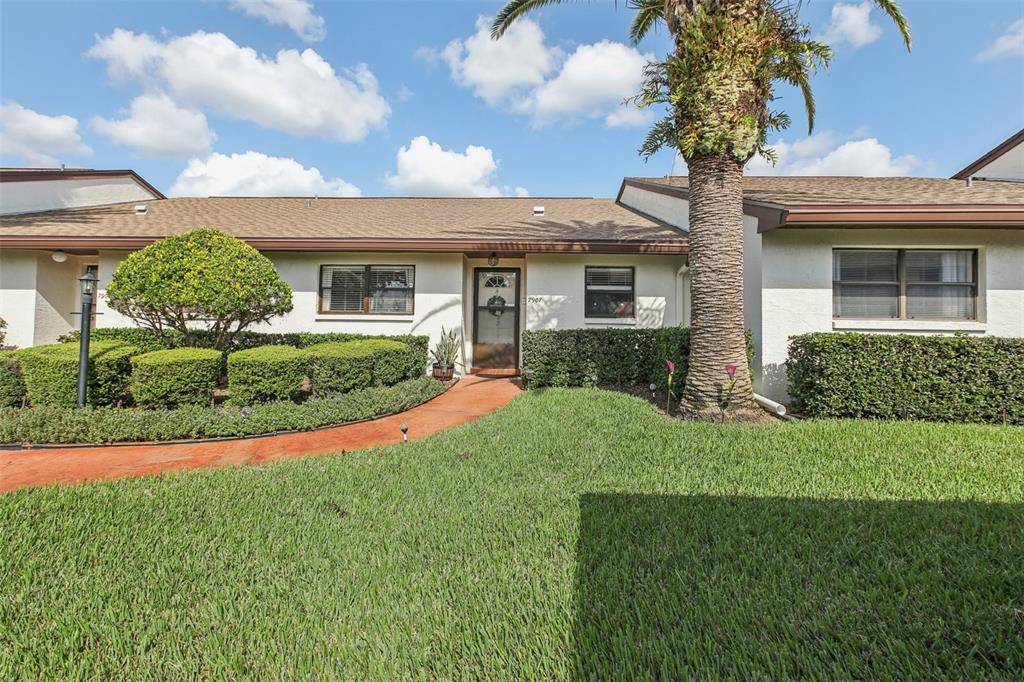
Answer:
(609, 292)
(904, 284)
(372, 289)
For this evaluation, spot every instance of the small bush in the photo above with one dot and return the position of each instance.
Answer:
(51, 373)
(52, 424)
(935, 378)
(147, 340)
(12, 386)
(266, 373)
(340, 367)
(617, 357)
(181, 376)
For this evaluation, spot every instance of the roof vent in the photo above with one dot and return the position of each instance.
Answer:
(538, 210)
(141, 209)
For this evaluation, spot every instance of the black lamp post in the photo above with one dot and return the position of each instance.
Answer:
(88, 281)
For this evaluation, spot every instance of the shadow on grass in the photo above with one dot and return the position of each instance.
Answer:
(677, 586)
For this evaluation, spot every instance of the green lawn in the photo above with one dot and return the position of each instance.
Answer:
(574, 534)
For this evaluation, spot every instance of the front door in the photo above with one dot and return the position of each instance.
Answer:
(496, 318)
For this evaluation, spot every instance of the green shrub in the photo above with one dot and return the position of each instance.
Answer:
(934, 378)
(200, 277)
(51, 424)
(180, 376)
(51, 373)
(12, 386)
(148, 340)
(340, 367)
(266, 373)
(617, 357)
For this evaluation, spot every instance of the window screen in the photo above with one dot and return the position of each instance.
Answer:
(904, 283)
(940, 284)
(382, 289)
(865, 283)
(609, 292)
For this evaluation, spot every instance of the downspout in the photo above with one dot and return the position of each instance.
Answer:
(770, 405)
(681, 293)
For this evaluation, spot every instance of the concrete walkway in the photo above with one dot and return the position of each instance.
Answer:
(471, 398)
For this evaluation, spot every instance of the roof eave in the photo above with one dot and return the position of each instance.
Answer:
(990, 156)
(407, 245)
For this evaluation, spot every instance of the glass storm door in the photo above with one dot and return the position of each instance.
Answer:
(496, 318)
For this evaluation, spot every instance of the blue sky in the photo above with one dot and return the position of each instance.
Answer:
(297, 97)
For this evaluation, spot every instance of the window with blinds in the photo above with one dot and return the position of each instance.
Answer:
(371, 289)
(904, 284)
(609, 292)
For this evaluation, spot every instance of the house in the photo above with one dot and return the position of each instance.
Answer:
(875, 255)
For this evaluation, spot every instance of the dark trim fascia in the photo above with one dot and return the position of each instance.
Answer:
(37, 176)
(990, 156)
(410, 245)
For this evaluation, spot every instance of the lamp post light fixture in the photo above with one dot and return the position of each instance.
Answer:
(654, 390)
(88, 281)
(405, 431)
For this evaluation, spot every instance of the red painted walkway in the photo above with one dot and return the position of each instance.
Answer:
(471, 398)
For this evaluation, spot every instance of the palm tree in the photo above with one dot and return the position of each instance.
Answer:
(718, 84)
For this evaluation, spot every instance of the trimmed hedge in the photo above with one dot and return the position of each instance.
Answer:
(148, 340)
(12, 386)
(52, 424)
(181, 376)
(340, 367)
(51, 373)
(618, 357)
(934, 378)
(266, 373)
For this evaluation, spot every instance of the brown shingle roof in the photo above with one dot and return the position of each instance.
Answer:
(856, 191)
(403, 219)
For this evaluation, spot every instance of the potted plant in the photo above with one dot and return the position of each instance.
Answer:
(445, 355)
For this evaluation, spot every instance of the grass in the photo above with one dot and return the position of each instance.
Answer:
(574, 534)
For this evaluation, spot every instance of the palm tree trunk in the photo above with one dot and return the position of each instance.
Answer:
(717, 336)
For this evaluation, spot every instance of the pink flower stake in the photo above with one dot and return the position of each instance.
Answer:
(671, 372)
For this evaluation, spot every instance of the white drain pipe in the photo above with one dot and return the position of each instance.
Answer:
(770, 405)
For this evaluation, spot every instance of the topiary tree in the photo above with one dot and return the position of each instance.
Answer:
(203, 279)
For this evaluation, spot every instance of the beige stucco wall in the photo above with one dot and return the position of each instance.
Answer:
(57, 298)
(797, 287)
(555, 290)
(1008, 166)
(18, 295)
(46, 195)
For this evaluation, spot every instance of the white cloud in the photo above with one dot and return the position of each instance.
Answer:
(593, 83)
(156, 126)
(297, 15)
(1010, 44)
(499, 70)
(257, 175)
(823, 154)
(426, 169)
(521, 73)
(38, 139)
(851, 24)
(294, 92)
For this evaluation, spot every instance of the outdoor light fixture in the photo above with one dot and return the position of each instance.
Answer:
(246, 411)
(405, 431)
(654, 388)
(59, 256)
(527, 377)
(88, 281)
(492, 260)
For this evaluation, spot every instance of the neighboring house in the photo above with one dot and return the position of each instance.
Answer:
(879, 255)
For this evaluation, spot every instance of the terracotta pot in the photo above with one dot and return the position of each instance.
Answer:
(443, 373)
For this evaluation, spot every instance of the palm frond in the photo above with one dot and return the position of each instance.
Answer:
(513, 10)
(648, 14)
(892, 8)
